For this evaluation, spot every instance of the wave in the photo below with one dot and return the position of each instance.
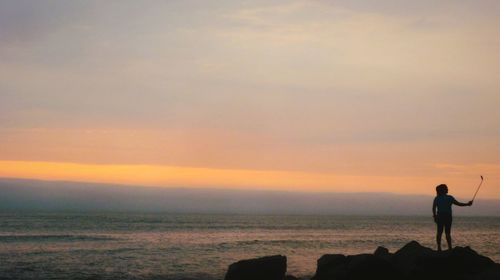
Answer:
(298, 242)
(52, 237)
(31, 274)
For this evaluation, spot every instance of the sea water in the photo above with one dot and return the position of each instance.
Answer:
(201, 246)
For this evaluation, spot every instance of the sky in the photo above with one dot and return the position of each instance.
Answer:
(309, 96)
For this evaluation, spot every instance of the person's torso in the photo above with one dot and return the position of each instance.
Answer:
(444, 203)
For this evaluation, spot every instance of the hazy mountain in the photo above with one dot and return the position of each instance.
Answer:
(17, 194)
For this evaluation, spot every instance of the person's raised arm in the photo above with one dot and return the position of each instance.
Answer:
(461, 204)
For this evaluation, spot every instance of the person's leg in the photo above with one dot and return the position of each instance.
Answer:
(439, 233)
(447, 230)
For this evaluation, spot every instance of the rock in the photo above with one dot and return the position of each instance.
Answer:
(366, 266)
(492, 273)
(383, 253)
(469, 260)
(406, 257)
(265, 268)
(331, 267)
(355, 267)
(413, 261)
(459, 263)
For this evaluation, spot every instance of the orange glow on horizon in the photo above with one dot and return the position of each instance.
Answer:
(173, 176)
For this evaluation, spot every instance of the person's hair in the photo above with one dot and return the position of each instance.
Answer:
(442, 189)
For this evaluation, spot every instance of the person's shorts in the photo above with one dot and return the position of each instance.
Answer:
(444, 219)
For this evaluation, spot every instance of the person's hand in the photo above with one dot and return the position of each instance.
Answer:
(470, 203)
(435, 219)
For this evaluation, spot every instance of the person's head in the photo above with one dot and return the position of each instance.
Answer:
(442, 189)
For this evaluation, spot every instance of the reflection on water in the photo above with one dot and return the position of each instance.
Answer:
(175, 246)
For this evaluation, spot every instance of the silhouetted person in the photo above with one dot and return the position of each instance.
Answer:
(443, 218)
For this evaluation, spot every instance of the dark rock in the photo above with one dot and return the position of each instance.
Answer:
(383, 253)
(459, 263)
(406, 257)
(366, 266)
(331, 267)
(355, 267)
(492, 273)
(469, 260)
(413, 261)
(266, 268)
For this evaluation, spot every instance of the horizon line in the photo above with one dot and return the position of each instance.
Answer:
(214, 188)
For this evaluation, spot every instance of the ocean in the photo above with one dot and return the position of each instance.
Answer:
(202, 246)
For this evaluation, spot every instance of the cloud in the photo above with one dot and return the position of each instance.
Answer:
(302, 85)
(24, 21)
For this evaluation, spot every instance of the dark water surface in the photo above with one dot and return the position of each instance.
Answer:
(189, 246)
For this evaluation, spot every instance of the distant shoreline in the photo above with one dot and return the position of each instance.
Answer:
(39, 195)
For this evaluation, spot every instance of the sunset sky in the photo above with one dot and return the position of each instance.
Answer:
(337, 96)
